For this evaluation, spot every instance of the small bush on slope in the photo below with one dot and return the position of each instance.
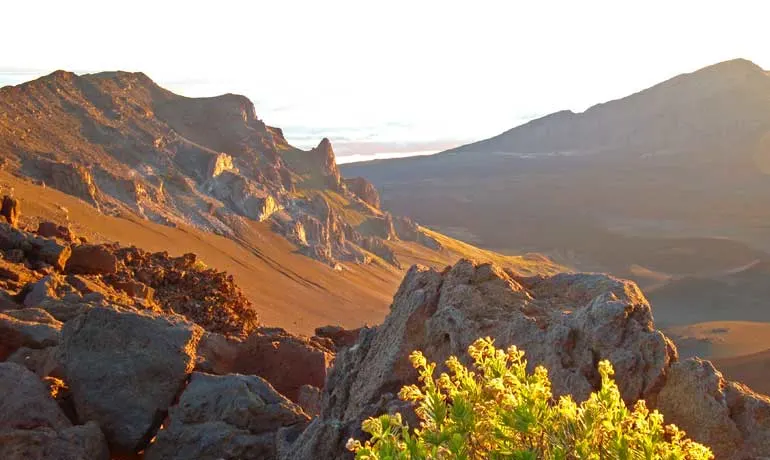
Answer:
(504, 413)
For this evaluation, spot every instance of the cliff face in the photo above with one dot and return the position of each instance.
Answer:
(122, 143)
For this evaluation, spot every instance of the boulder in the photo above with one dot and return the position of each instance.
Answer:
(41, 290)
(16, 272)
(50, 252)
(92, 259)
(125, 369)
(36, 315)
(408, 230)
(25, 403)
(51, 230)
(364, 190)
(135, 289)
(33, 426)
(11, 210)
(18, 244)
(73, 443)
(285, 360)
(16, 333)
(225, 417)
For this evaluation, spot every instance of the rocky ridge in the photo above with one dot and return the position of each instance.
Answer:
(123, 144)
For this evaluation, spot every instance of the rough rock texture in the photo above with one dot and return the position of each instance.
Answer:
(52, 230)
(33, 426)
(217, 354)
(68, 177)
(92, 259)
(364, 189)
(726, 416)
(25, 403)
(84, 442)
(11, 210)
(341, 337)
(323, 155)
(41, 290)
(125, 369)
(33, 247)
(309, 400)
(16, 333)
(284, 360)
(110, 274)
(225, 417)
(442, 313)
(408, 230)
(44, 362)
(185, 285)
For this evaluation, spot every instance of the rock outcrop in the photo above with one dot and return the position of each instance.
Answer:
(326, 163)
(68, 177)
(566, 322)
(408, 230)
(364, 190)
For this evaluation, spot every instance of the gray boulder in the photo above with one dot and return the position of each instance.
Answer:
(33, 426)
(125, 369)
(25, 402)
(226, 417)
(16, 333)
(84, 442)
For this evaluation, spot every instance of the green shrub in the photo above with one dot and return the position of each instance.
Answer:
(501, 412)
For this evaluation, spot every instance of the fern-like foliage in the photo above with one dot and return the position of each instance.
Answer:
(499, 411)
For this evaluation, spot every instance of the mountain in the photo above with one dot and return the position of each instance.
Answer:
(667, 186)
(714, 111)
(117, 158)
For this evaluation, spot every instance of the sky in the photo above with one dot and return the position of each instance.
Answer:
(389, 77)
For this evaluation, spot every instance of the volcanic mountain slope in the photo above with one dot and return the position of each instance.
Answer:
(122, 143)
(719, 109)
(119, 159)
(663, 186)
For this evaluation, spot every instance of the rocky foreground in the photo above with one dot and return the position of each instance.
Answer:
(112, 352)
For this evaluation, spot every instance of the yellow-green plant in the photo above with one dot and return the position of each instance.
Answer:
(501, 412)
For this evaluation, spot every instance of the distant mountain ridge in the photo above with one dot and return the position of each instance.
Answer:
(717, 107)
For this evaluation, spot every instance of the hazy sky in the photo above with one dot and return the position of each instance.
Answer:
(388, 75)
